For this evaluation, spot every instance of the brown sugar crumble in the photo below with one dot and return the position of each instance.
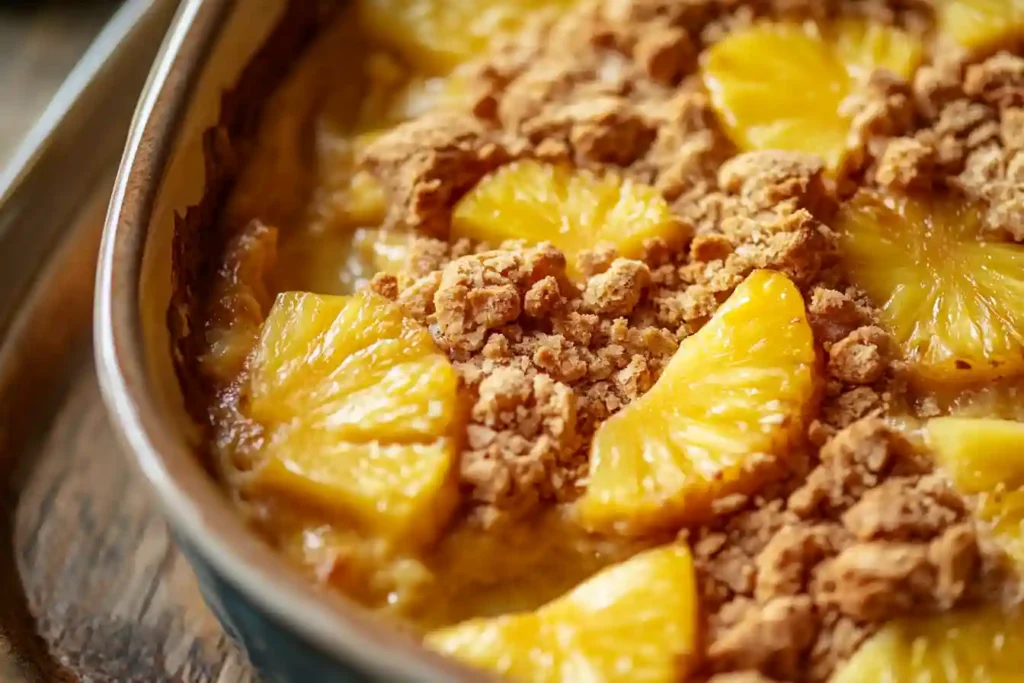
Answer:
(863, 529)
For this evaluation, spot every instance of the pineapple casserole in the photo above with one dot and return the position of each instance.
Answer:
(641, 340)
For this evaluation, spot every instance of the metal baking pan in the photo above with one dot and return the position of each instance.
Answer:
(92, 587)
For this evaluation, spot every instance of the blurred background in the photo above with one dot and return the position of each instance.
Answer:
(40, 41)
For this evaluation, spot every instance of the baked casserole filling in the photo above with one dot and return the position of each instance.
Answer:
(642, 340)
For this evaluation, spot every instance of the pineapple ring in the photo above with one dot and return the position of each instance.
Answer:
(981, 23)
(985, 456)
(574, 210)
(950, 299)
(360, 411)
(975, 645)
(782, 86)
(637, 620)
(732, 399)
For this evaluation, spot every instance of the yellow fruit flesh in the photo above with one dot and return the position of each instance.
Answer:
(634, 621)
(781, 86)
(574, 210)
(981, 23)
(976, 646)
(954, 302)
(360, 410)
(721, 416)
(438, 35)
(985, 457)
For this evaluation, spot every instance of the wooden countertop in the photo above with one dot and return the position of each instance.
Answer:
(40, 40)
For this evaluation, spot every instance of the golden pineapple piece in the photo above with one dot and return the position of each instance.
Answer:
(981, 23)
(574, 210)
(360, 410)
(633, 621)
(437, 35)
(971, 646)
(953, 301)
(718, 421)
(985, 457)
(782, 85)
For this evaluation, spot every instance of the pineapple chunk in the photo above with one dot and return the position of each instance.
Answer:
(782, 86)
(951, 299)
(980, 23)
(979, 646)
(634, 621)
(718, 421)
(986, 457)
(360, 410)
(438, 35)
(574, 210)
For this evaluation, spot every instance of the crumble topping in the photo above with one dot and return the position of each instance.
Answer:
(966, 136)
(793, 584)
(794, 579)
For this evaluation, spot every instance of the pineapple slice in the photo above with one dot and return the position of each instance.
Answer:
(574, 210)
(986, 457)
(980, 23)
(975, 646)
(782, 86)
(438, 35)
(634, 621)
(719, 420)
(951, 299)
(360, 410)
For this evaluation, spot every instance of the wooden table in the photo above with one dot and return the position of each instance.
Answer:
(91, 586)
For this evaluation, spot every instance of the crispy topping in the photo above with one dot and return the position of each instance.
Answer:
(794, 586)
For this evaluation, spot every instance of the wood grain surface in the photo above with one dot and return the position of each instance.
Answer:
(91, 587)
(96, 590)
